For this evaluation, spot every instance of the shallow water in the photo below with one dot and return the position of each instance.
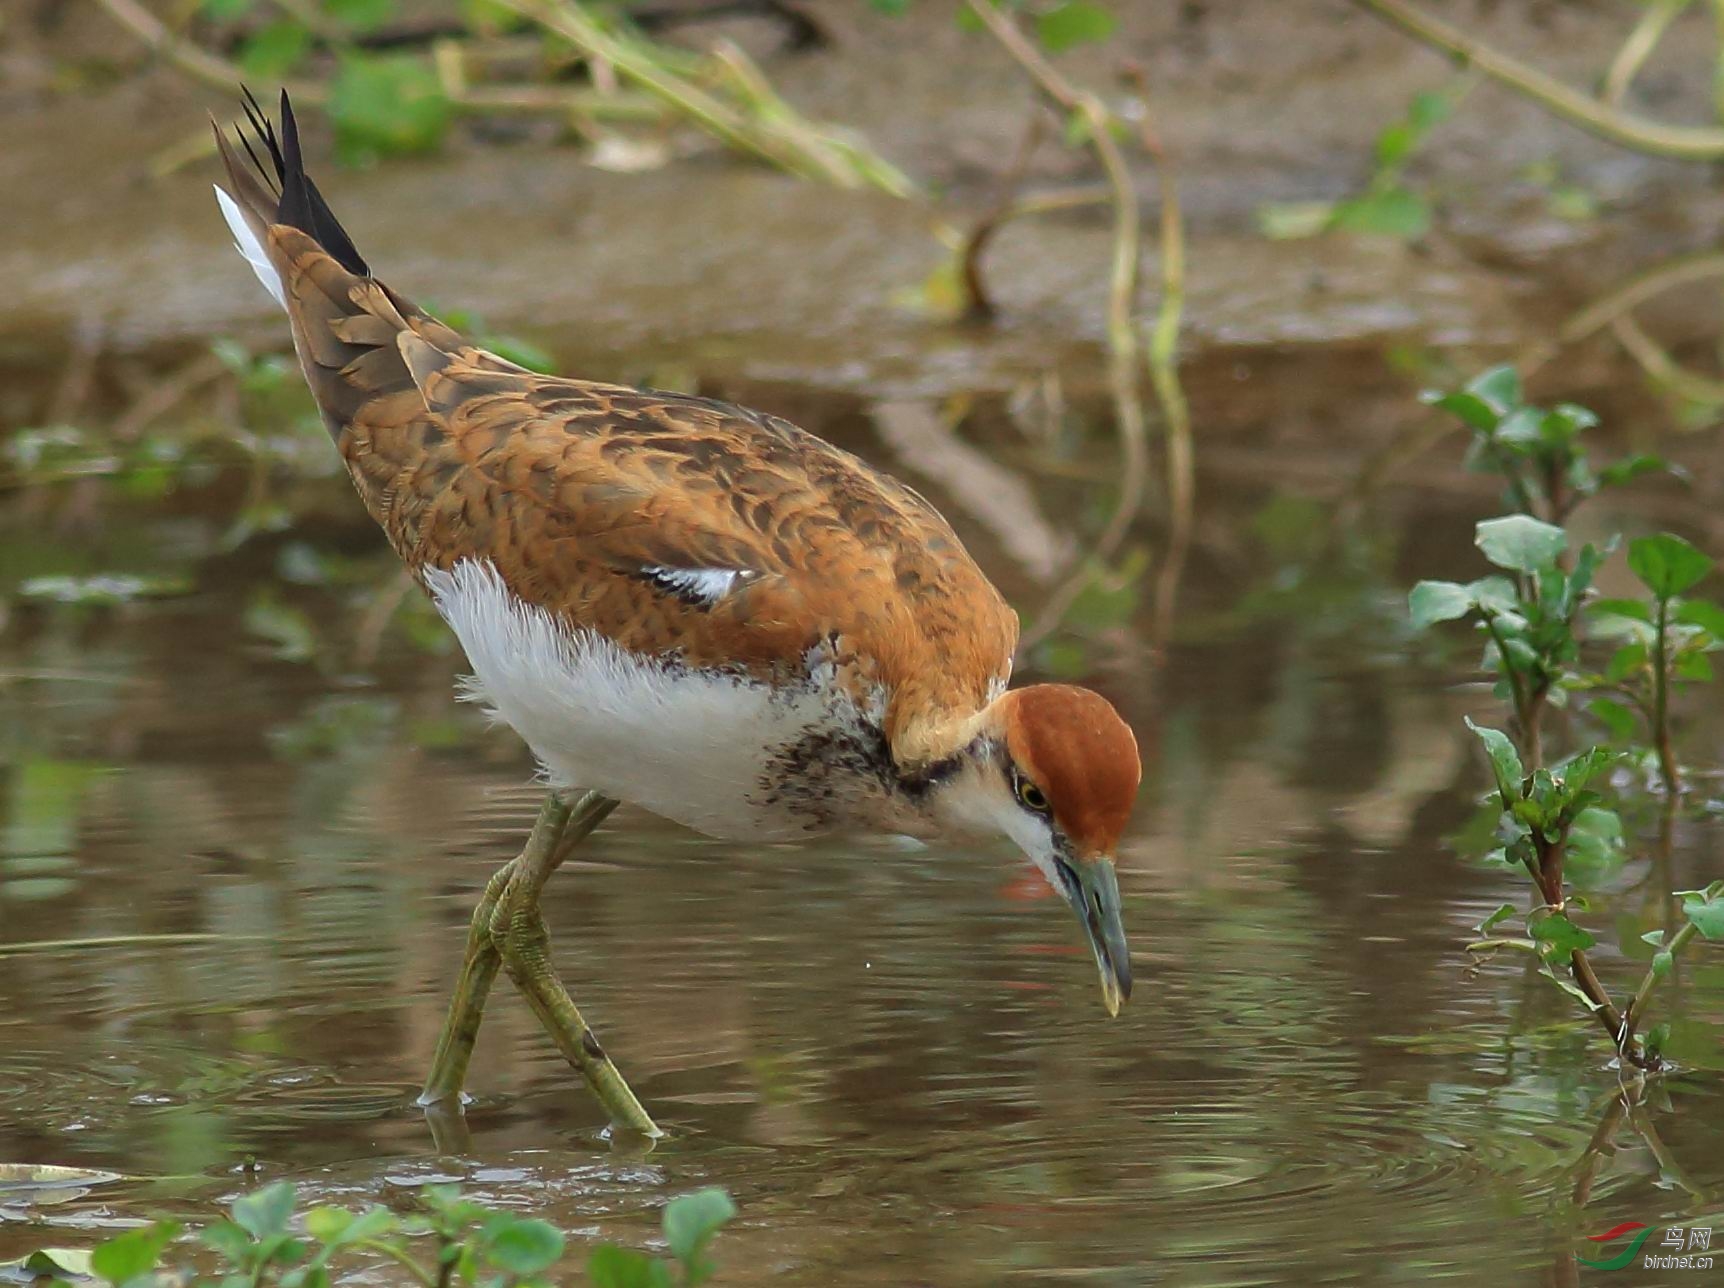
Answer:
(896, 1061)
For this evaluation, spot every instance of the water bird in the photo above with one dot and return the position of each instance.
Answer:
(680, 603)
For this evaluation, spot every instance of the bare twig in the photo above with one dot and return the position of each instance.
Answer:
(190, 57)
(163, 396)
(1655, 360)
(978, 302)
(1684, 142)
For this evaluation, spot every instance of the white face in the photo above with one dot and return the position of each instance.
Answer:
(978, 801)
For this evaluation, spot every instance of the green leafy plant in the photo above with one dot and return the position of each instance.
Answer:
(1388, 206)
(1528, 618)
(1666, 639)
(392, 83)
(689, 1224)
(450, 1240)
(1538, 616)
(1535, 450)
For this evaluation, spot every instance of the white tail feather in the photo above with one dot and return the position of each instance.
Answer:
(246, 243)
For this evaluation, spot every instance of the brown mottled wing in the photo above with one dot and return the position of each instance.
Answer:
(575, 491)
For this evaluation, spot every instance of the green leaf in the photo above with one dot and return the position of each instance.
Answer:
(1499, 386)
(360, 15)
(1470, 408)
(1662, 962)
(1586, 566)
(1694, 666)
(1704, 614)
(265, 1213)
(1566, 421)
(1624, 471)
(1431, 602)
(1559, 937)
(1615, 717)
(127, 1256)
(524, 1247)
(692, 1220)
(1595, 848)
(327, 1224)
(224, 10)
(1294, 220)
(1495, 594)
(1398, 141)
(1073, 22)
(612, 1267)
(389, 103)
(1520, 542)
(58, 1264)
(1707, 915)
(1635, 609)
(1667, 564)
(1392, 212)
(1581, 768)
(271, 52)
(1428, 110)
(1502, 914)
(1505, 762)
(227, 1239)
(1521, 427)
(1627, 661)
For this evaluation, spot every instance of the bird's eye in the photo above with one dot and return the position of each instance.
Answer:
(1032, 797)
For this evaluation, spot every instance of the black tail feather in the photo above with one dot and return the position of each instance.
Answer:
(300, 204)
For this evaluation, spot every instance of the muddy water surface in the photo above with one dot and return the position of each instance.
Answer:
(895, 1061)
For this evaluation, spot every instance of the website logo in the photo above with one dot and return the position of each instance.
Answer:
(1677, 1250)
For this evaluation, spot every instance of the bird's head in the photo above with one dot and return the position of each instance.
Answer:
(1055, 769)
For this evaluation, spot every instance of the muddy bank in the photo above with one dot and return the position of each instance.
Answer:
(722, 267)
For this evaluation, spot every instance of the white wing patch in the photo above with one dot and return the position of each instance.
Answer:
(702, 585)
(246, 243)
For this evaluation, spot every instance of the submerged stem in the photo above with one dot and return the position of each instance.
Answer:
(1667, 767)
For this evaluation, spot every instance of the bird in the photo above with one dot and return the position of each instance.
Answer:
(679, 603)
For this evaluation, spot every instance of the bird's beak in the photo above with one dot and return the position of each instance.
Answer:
(1093, 889)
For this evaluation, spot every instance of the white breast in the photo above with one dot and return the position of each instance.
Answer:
(698, 747)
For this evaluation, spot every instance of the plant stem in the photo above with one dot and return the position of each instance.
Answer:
(1164, 378)
(778, 137)
(1524, 708)
(1637, 1004)
(1684, 142)
(1667, 766)
(1632, 56)
(1122, 336)
(399, 1257)
(978, 302)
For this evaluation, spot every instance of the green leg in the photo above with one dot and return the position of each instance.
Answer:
(507, 930)
(478, 971)
(520, 934)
